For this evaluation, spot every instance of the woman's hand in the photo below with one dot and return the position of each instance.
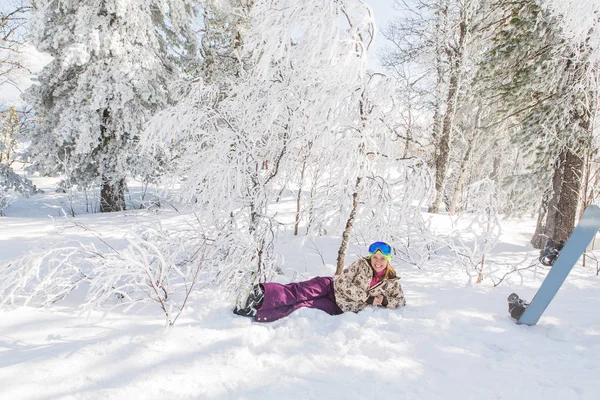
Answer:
(378, 300)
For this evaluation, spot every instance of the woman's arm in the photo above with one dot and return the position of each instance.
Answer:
(391, 292)
(394, 297)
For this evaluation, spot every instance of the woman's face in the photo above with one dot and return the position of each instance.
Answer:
(379, 262)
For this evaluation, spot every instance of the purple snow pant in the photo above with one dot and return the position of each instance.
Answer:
(281, 300)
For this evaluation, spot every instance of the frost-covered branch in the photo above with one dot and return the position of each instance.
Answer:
(239, 134)
(473, 241)
(157, 268)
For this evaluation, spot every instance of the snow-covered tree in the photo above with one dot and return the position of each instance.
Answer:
(13, 22)
(295, 94)
(222, 43)
(542, 83)
(527, 99)
(296, 98)
(114, 62)
(434, 44)
(11, 127)
(12, 182)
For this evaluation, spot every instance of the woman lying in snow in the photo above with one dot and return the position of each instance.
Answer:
(367, 281)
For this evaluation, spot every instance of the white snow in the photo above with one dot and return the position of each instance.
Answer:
(450, 342)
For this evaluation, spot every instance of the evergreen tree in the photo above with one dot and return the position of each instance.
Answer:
(541, 83)
(112, 70)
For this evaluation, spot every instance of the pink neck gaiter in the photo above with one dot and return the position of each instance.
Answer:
(377, 277)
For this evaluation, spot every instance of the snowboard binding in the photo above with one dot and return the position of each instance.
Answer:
(548, 256)
(516, 306)
(550, 252)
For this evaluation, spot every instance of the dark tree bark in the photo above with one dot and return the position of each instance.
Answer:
(112, 195)
(569, 197)
(112, 192)
(348, 229)
(559, 219)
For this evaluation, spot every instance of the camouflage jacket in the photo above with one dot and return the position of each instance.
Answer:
(352, 291)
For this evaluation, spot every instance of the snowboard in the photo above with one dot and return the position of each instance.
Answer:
(584, 232)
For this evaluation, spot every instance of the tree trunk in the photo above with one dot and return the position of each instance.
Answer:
(569, 196)
(440, 27)
(464, 166)
(299, 198)
(348, 229)
(408, 131)
(545, 228)
(585, 190)
(559, 220)
(112, 195)
(355, 195)
(538, 240)
(441, 162)
(461, 178)
(311, 206)
(497, 152)
(112, 192)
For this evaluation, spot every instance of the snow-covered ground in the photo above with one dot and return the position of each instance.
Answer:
(451, 341)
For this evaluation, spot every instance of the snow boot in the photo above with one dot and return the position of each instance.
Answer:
(245, 312)
(256, 296)
(516, 306)
(254, 301)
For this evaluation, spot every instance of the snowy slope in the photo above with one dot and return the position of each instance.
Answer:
(452, 341)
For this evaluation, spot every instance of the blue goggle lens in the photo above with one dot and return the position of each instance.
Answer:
(382, 247)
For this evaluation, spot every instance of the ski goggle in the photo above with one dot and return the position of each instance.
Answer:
(381, 247)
